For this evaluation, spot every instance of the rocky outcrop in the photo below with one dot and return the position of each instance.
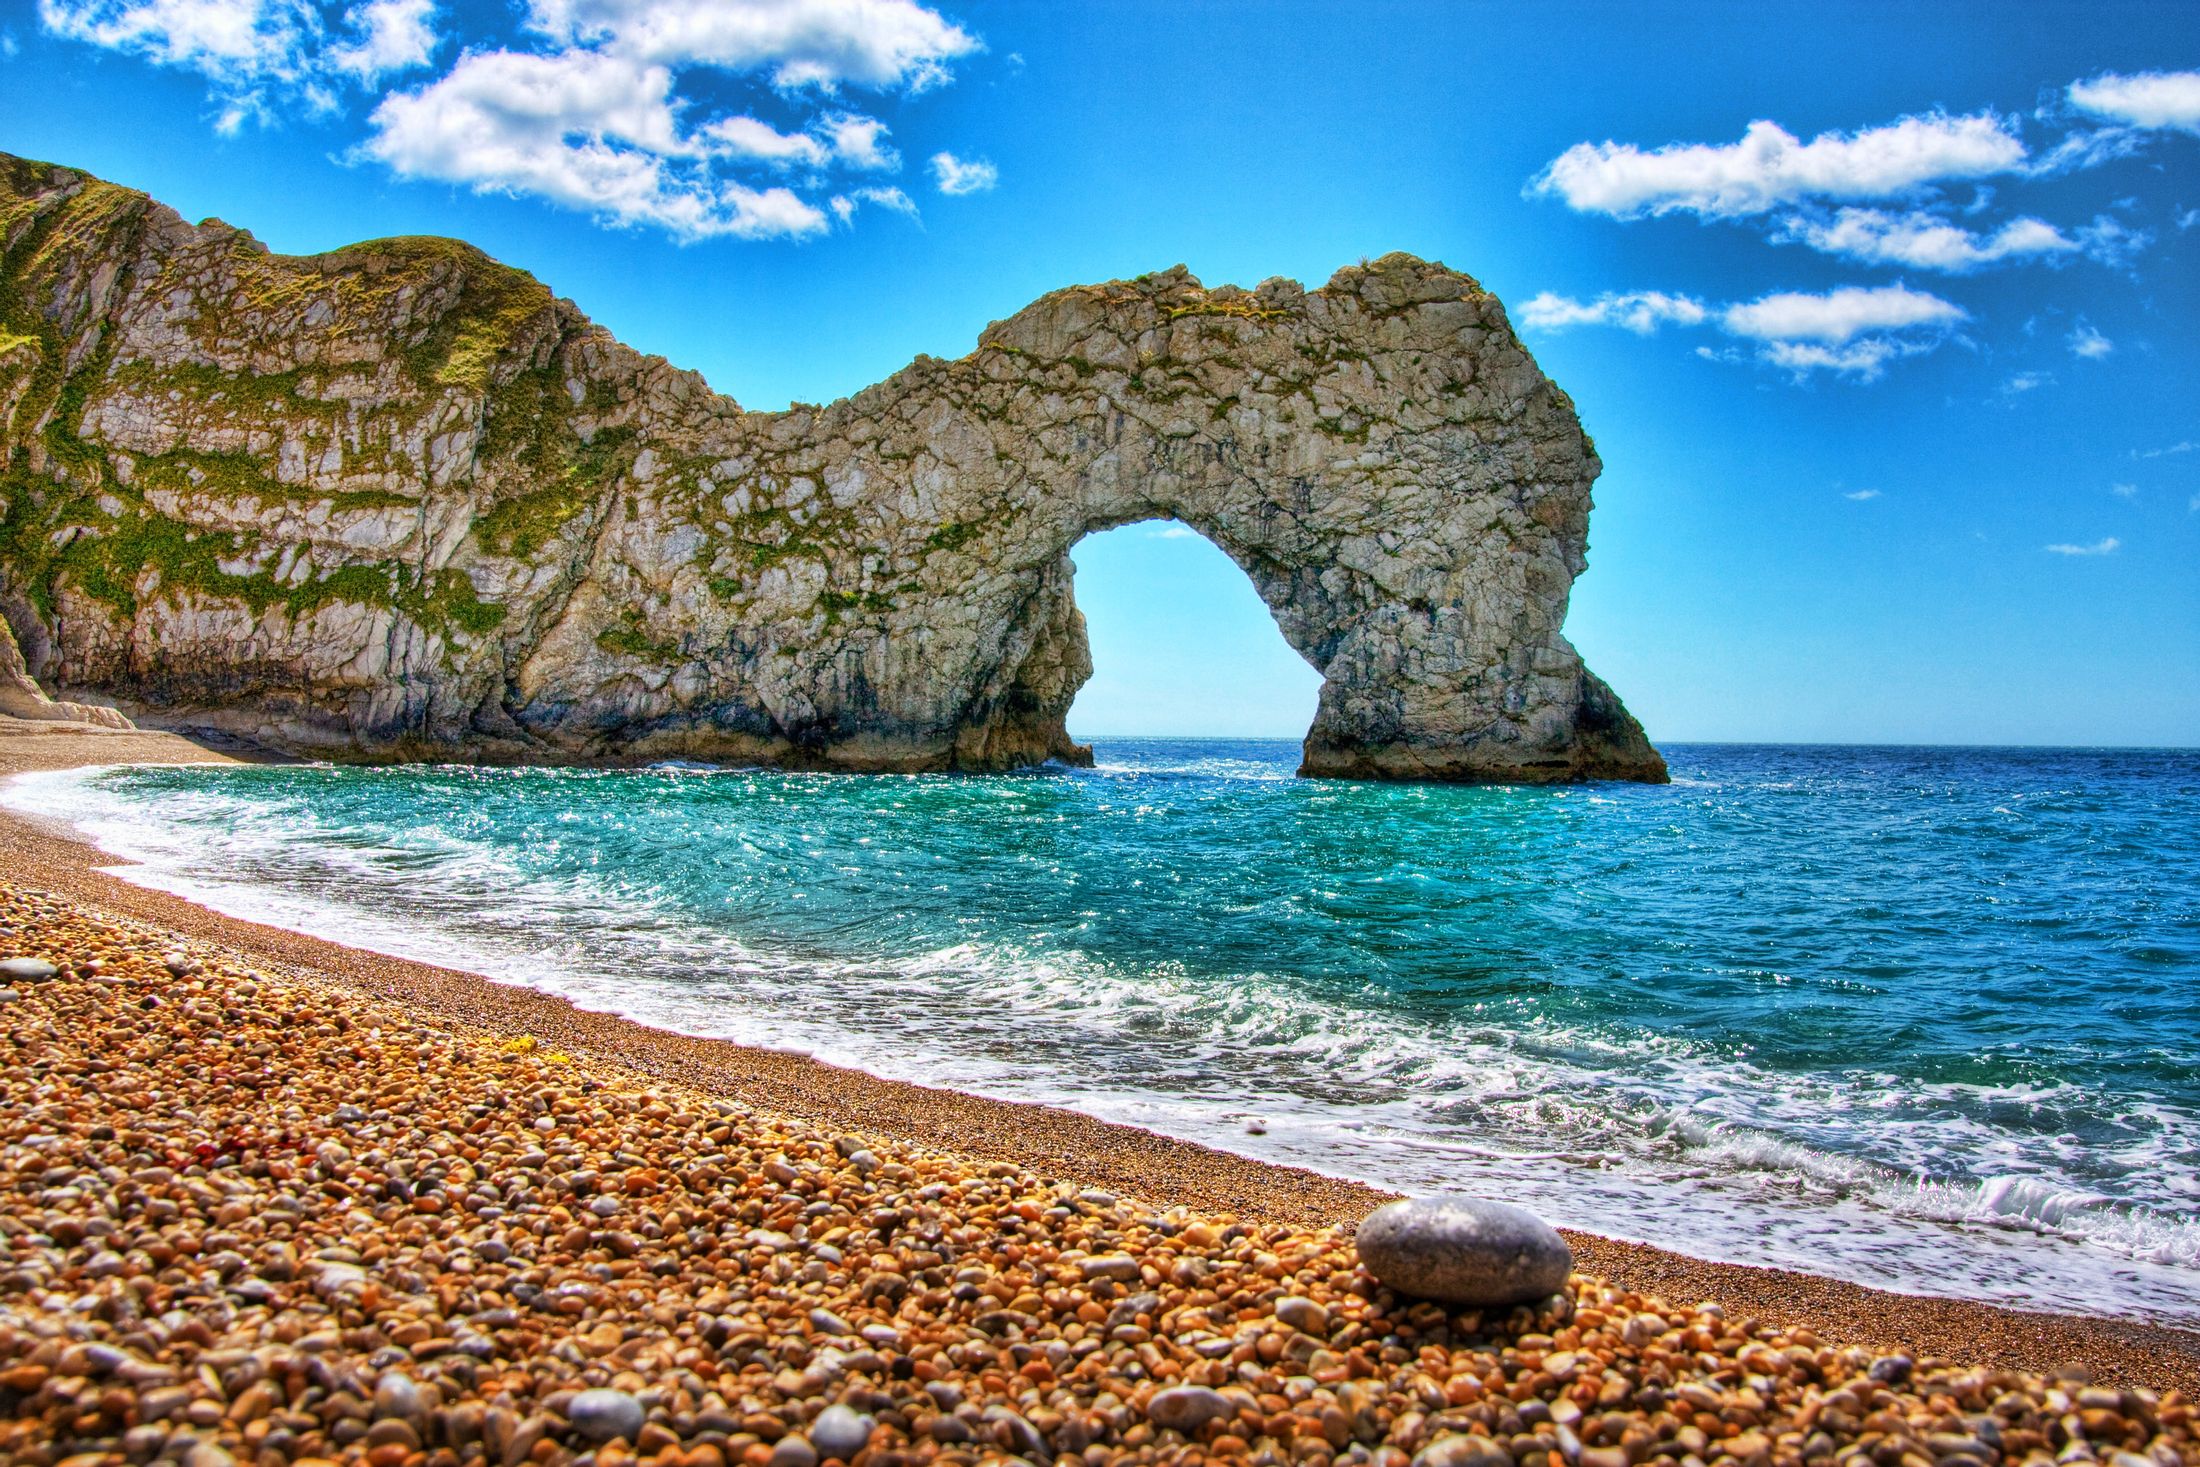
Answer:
(398, 501)
(21, 697)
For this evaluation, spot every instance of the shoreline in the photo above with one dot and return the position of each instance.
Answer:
(1049, 1142)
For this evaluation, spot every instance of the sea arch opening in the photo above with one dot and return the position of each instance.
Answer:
(1182, 644)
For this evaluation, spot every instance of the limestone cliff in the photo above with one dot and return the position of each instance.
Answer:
(397, 501)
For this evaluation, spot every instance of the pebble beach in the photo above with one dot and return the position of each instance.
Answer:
(258, 1211)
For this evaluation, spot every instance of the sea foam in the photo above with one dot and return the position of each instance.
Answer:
(1836, 1010)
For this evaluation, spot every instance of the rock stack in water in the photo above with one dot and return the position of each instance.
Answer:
(253, 1221)
(399, 501)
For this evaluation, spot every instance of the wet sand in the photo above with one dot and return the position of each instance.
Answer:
(1053, 1144)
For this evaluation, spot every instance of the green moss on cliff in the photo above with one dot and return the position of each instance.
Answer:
(230, 475)
(72, 525)
(837, 604)
(953, 535)
(631, 638)
(123, 553)
(270, 398)
(495, 305)
(568, 476)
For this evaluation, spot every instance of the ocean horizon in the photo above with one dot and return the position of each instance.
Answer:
(1913, 1016)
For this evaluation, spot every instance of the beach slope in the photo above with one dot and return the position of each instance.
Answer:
(270, 1198)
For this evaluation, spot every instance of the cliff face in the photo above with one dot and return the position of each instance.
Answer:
(397, 501)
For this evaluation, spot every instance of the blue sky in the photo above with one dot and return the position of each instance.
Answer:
(1882, 316)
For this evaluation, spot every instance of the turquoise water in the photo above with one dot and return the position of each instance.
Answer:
(1922, 1018)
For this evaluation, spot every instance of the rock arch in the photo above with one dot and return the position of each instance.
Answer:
(397, 501)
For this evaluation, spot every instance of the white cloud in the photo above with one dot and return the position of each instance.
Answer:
(1840, 315)
(391, 36)
(2188, 219)
(603, 123)
(9, 46)
(1172, 531)
(239, 37)
(963, 176)
(1878, 195)
(1861, 495)
(859, 141)
(2086, 341)
(1641, 311)
(2151, 99)
(256, 53)
(1925, 240)
(2185, 446)
(626, 109)
(1770, 167)
(2023, 382)
(589, 131)
(881, 44)
(2124, 491)
(2098, 547)
(745, 137)
(1855, 331)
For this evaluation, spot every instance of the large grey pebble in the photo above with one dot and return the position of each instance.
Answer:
(26, 970)
(1464, 1250)
(9, 995)
(1187, 1408)
(604, 1415)
(840, 1431)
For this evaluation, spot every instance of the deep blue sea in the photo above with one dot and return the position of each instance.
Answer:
(1923, 1018)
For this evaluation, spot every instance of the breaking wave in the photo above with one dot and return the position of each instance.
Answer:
(1918, 1019)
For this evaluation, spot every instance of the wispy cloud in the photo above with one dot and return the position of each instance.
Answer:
(1172, 531)
(963, 175)
(2186, 445)
(1641, 311)
(2022, 382)
(1930, 241)
(2124, 491)
(1854, 330)
(257, 55)
(2106, 546)
(1860, 495)
(2086, 341)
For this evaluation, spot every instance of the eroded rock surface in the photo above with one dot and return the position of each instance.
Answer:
(21, 697)
(398, 501)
